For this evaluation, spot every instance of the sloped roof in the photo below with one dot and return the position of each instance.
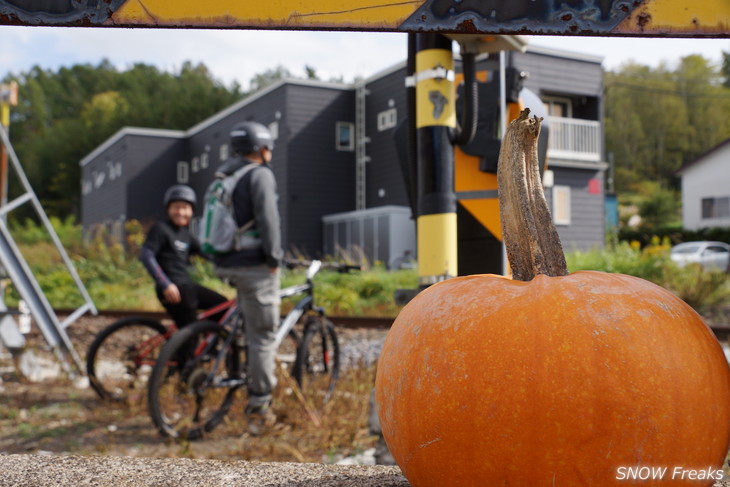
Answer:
(699, 159)
(151, 132)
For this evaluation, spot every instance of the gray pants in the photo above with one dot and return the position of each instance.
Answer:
(258, 296)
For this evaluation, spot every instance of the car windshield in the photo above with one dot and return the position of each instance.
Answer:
(686, 249)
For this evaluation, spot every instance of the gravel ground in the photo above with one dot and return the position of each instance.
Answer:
(96, 471)
(41, 468)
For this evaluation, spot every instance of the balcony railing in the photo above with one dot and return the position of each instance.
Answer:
(574, 139)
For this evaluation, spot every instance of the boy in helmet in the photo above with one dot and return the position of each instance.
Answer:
(253, 267)
(166, 256)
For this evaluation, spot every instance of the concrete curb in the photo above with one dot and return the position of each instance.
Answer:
(102, 471)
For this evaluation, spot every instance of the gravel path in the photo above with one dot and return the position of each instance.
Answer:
(78, 471)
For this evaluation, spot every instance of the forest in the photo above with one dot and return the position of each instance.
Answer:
(656, 120)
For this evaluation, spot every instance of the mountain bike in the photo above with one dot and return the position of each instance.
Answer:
(120, 359)
(201, 368)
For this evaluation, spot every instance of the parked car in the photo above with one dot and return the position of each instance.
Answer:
(710, 255)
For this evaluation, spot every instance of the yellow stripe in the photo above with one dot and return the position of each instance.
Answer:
(275, 13)
(437, 245)
(435, 97)
(5, 117)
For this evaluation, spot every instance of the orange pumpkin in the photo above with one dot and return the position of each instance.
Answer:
(552, 380)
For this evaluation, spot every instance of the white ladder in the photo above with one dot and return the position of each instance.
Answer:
(17, 269)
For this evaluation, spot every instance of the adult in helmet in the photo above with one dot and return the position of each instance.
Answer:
(253, 268)
(166, 256)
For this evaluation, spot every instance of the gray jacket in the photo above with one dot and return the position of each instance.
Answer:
(255, 197)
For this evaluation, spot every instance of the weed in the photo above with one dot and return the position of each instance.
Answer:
(27, 430)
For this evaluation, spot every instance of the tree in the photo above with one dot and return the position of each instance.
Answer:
(64, 115)
(310, 72)
(657, 119)
(269, 77)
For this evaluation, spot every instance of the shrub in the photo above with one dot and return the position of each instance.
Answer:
(698, 287)
(116, 279)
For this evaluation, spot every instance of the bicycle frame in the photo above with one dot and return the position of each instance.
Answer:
(304, 305)
(286, 325)
(147, 346)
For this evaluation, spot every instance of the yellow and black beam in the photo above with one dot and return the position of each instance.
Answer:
(656, 18)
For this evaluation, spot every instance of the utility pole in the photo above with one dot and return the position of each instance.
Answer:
(435, 122)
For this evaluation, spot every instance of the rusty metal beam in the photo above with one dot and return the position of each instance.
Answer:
(655, 18)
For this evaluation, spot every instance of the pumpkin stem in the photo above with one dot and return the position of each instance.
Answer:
(532, 241)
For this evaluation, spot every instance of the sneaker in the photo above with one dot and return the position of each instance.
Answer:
(260, 419)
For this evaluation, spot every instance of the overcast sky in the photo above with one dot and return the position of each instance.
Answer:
(238, 55)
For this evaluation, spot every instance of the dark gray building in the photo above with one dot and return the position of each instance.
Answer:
(336, 156)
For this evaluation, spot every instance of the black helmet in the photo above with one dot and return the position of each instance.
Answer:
(180, 192)
(249, 137)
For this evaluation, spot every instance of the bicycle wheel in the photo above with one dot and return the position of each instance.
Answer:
(318, 360)
(120, 359)
(189, 397)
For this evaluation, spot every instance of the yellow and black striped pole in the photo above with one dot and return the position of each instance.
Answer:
(435, 122)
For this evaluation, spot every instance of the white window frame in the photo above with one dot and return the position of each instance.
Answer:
(223, 152)
(274, 129)
(720, 207)
(112, 170)
(387, 119)
(351, 145)
(549, 100)
(99, 178)
(183, 172)
(561, 215)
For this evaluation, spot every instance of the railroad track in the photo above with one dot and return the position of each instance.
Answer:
(342, 321)
(721, 330)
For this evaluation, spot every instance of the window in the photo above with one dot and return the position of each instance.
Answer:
(223, 152)
(183, 172)
(557, 106)
(114, 170)
(196, 164)
(274, 129)
(204, 158)
(716, 207)
(99, 177)
(344, 133)
(561, 205)
(387, 119)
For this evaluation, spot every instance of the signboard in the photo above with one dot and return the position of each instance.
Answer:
(706, 18)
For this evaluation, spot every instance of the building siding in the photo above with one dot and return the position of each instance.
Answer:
(706, 178)
(587, 225)
(320, 180)
(135, 193)
(547, 74)
(385, 181)
(103, 198)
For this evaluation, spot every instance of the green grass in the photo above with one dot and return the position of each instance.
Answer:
(116, 279)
